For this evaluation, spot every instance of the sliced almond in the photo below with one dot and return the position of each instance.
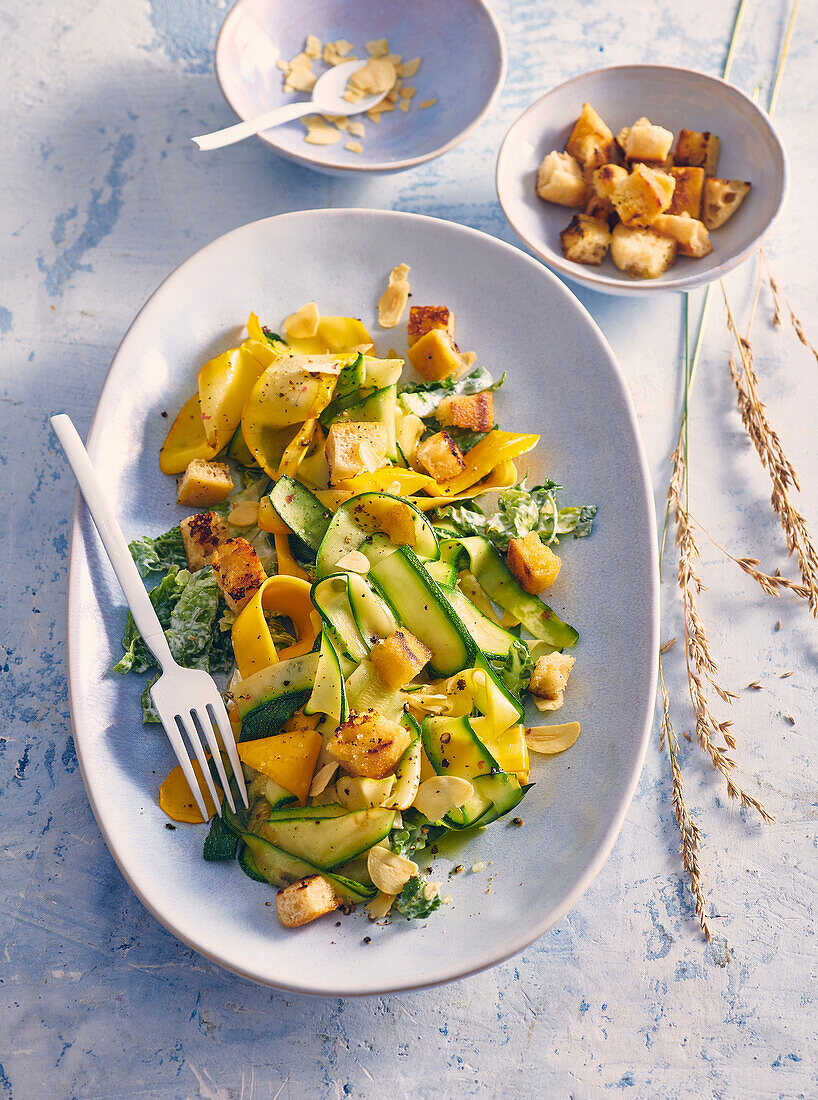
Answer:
(428, 103)
(552, 739)
(409, 68)
(378, 47)
(320, 133)
(431, 890)
(407, 93)
(303, 324)
(244, 514)
(545, 705)
(312, 46)
(300, 80)
(404, 105)
(380, 905)
(395, 298)
(322, 778)
(354, 561)
(357, 129)
(354, 147)
(440, 795)
(282, 64)
(301, 61)
(389, 871)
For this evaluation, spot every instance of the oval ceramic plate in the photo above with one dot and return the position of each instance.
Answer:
(673, 98)
(563, 382)
(463, 66)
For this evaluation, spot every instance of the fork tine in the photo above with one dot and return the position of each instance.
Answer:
(222, 720)
(193, 738)
(178, 745)
(206, 723)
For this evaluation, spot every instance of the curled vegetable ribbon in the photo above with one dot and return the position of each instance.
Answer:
(484, 456)
(253, 645)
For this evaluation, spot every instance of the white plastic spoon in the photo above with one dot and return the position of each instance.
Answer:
(327, 99)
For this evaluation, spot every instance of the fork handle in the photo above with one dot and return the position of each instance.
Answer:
(113, 540)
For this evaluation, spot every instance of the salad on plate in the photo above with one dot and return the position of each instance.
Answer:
(379, 629)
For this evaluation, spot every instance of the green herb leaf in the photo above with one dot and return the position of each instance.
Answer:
(515, 670)
(422, 398)
(156, 555)
(412, 902)
(408, 840)
(221, 842)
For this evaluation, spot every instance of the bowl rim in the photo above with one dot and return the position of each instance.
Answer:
(315, 161)
(77, 561)
(638, 288)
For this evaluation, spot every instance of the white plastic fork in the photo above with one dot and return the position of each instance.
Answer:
(185, 698)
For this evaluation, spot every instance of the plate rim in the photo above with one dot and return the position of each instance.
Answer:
(77, 560)
(608, 284)
(380, 167)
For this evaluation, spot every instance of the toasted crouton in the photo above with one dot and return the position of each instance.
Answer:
(687, 195)
(644, 141)
(560, 179)
(550, 675)
(533, 564)
(435, 356)
(440, 456)
(691, 237)
(204, 483)
(399, 658)
(369, 744)
(591, 141)
(695, 149)
(472, 410)
(642, 253)
(305, 901)
(201, 534)
(353, 447)
(721, 199)
(238, 571)
(586, 240)
(645, 194)
(606, 178)
(423, 319)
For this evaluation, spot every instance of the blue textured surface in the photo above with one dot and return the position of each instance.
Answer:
(103, 197)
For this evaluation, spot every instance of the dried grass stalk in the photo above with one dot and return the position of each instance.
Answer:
(689, 831)
(781, 471)
(701, 666)
(781, 304)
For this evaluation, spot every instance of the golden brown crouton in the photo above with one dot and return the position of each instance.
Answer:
(472, 410)
(440, 456)
(305, 900)
(586, 240)
(550, 675)
(645, 194)
(435, 356)
(201, 534)
(687, 196)
(606, 178)
(238, 571)
(204, 483)
(534, 565)
(644, 141)
(560, 179)
(642, 253)
(353, 447)
(591, 141)
(695, 149)
(369, 744)
(691, 237)
(423, 319)
(721, 199)
(399, 658)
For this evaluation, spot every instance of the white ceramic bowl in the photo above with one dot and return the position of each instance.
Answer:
(463, 67)
(673, 98)
(563, 382)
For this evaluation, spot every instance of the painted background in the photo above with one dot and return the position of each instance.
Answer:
(102, 196)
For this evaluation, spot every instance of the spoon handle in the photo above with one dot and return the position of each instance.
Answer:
(231, 134)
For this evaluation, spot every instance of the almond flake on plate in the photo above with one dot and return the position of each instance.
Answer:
(552, 739)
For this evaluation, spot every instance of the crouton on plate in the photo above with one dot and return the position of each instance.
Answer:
(586, 240)
(721, 199)
(204, 483)
(474, 411)
(368, 744)
(423, 319)
(201, 534)
(305, 901)
(353, 447)
(534, 565)
(238, 571)
(560, 179)
(440, 457)
(642, 253)
(399, 658)
(690, 235)
(591, 141)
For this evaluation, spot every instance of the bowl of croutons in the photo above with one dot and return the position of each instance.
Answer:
(635, 178)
